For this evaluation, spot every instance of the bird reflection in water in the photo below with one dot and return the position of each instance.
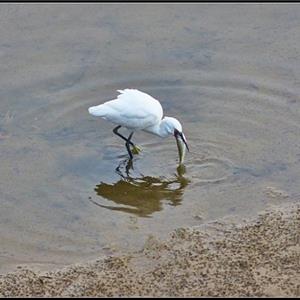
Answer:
(142, 195)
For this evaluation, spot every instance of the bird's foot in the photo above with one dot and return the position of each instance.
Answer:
(136, 149)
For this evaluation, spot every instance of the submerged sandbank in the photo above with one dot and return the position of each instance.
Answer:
(257, 257)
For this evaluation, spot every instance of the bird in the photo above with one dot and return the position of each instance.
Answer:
(138, 111)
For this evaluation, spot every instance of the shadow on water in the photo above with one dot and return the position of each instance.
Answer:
(142, 195)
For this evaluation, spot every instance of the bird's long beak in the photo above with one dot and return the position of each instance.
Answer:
(181, 144)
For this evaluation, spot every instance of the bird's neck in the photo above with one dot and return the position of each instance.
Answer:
(161, 129)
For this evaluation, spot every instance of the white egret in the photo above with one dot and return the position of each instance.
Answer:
(136, 110)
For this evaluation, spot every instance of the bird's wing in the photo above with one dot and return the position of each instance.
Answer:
(134, 109)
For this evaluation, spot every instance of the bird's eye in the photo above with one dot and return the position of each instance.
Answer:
(176, 132)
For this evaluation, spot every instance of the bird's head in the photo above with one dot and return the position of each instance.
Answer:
(173, 127)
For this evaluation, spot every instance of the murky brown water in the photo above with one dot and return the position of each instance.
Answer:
(229, 72)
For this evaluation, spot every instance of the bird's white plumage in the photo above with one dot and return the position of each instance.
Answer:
(137, 110)
(132, 109)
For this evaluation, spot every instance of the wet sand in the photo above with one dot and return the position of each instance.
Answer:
(257, 257)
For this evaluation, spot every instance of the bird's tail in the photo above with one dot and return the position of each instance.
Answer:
(98, 111)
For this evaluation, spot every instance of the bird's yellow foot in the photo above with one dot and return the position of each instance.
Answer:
(136, 149)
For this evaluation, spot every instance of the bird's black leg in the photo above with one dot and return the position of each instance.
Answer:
(127, 145)
(115, 131)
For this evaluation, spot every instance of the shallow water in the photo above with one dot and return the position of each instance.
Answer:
(229, 72)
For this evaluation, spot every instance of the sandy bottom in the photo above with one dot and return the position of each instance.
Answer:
(258, 257)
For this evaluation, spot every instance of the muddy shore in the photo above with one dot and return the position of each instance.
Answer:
(257, 257)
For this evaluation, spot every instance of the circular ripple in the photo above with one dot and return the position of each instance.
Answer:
(209, 170)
